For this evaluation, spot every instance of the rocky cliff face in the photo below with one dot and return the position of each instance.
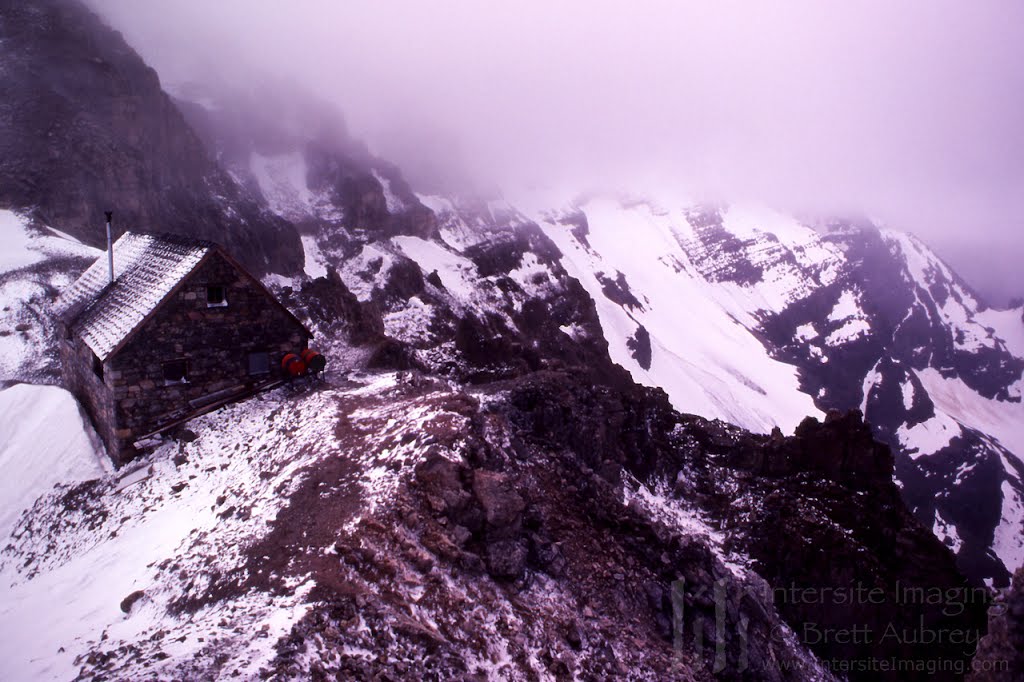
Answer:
(929, 358)
(702, 301)
(815, 512)
(85, 127)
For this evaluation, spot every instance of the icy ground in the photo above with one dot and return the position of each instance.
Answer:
(46, 441)
(165, 528)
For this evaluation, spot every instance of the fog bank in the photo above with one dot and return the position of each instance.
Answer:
(910, 112)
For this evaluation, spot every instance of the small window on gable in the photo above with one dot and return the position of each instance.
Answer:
(216, 296)
(97, 367)
(258, 363)
(176, 372)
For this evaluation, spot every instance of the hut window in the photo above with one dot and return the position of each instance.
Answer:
(175, 372)
(97, 367)
(258, 363)
(216, 296)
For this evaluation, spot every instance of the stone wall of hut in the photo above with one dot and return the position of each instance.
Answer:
(95, 393)
(213, 340)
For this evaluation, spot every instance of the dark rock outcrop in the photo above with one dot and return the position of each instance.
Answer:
(817, 513)
(722, 256)
(128, 602)
(1000, 655)
(353, 183)
(503, 506)
(85, 127)
(331, 307)
(483, 504)
(616, 290)
(640, 346)
(503, 251)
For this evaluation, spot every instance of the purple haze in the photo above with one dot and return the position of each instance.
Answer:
(907, 111)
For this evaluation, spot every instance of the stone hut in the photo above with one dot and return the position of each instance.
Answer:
(180, 329)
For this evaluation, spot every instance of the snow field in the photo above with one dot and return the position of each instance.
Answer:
(706, 360)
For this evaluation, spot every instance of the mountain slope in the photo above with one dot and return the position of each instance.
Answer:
(739, 313)
(85, 127)
(870, 319)
(527, 482)
(532, 528)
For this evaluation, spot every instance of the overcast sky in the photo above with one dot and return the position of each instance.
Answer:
(910, 111)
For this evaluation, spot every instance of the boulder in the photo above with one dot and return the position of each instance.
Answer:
(503, 506)
(506, 559)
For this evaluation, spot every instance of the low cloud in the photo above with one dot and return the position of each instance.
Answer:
(907, 111)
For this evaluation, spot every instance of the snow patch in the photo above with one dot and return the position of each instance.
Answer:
(908, 394)
(806, 332)
(928, 437)
(1008, 543)
(871, 379)
(23, 246)
(17, 252)
(366, 271)
(457, 273)
(1002, 420)
(314, 263)
(850, 331)
(574, 331)
(1008, 326)
(946, 532)
(846, 307)
(391, 200)
(282, 181)
(44, 441)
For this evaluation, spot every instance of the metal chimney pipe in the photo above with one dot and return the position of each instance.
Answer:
(110, 245)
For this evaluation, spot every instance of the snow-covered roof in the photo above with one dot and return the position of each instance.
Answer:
(147, 268)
